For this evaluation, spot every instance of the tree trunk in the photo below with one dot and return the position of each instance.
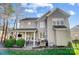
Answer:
(6, 28)
(3, 31)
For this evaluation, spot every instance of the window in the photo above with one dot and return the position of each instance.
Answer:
(54, 22)
(18, 25)
(42, 25)
(29, 23)
(42, 34)
(62, 22)
(58, 22)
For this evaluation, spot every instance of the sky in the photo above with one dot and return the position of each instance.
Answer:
(24, 10)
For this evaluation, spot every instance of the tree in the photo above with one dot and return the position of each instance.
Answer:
(18, 12)
(8, 11)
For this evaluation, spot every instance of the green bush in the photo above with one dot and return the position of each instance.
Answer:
(9, 42)
(75, 41)
(69, 44)
(20, 42)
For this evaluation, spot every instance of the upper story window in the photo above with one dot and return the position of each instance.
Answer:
(42, 25)
(58, 22)
(29, 23)
(18, 25)
(62, 22)
(54, 22)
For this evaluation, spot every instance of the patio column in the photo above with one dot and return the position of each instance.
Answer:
(34, 40)
(16, 35)
(25, 40)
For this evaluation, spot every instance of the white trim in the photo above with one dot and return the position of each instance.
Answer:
(60, 28)
(25, 40)
(42, 24)
(34, 40)
(16, 35)
(23, 31)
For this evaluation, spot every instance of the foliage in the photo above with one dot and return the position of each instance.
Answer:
(11, 37)
(75, 41)
(20, 42)
(10, 42)
(69, 44)
(9, 10)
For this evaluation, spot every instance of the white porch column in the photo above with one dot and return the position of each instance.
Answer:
(34, 40)
(16, 35)
(25, 40)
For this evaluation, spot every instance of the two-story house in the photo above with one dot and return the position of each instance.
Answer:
(52, 27)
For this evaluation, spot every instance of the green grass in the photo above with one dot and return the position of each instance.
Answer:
(73, 51)
(43, 52)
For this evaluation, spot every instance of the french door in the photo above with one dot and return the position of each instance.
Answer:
(29, 38)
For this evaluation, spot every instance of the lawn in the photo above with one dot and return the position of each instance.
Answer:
(64, 51)
(43, 52)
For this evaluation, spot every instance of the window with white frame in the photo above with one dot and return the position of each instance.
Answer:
(29, 23)
(18, 25)
(42, 24)
(62, 22)
(42, 35)
(58, 22)
(54, 22)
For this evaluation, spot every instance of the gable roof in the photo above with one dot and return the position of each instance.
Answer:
(59, 10)
(49, 13)
(55, 10)
(44, 15)
(75, 28)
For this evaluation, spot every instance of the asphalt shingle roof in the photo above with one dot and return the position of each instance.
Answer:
(29, 19)
(75, 28)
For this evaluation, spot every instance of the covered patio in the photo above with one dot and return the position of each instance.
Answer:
(28, 34)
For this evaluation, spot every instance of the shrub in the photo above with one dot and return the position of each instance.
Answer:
(75, 41)
(9, 42)
(69, 44)
(20, 42)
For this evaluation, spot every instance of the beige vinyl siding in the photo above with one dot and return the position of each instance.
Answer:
(28, 24)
